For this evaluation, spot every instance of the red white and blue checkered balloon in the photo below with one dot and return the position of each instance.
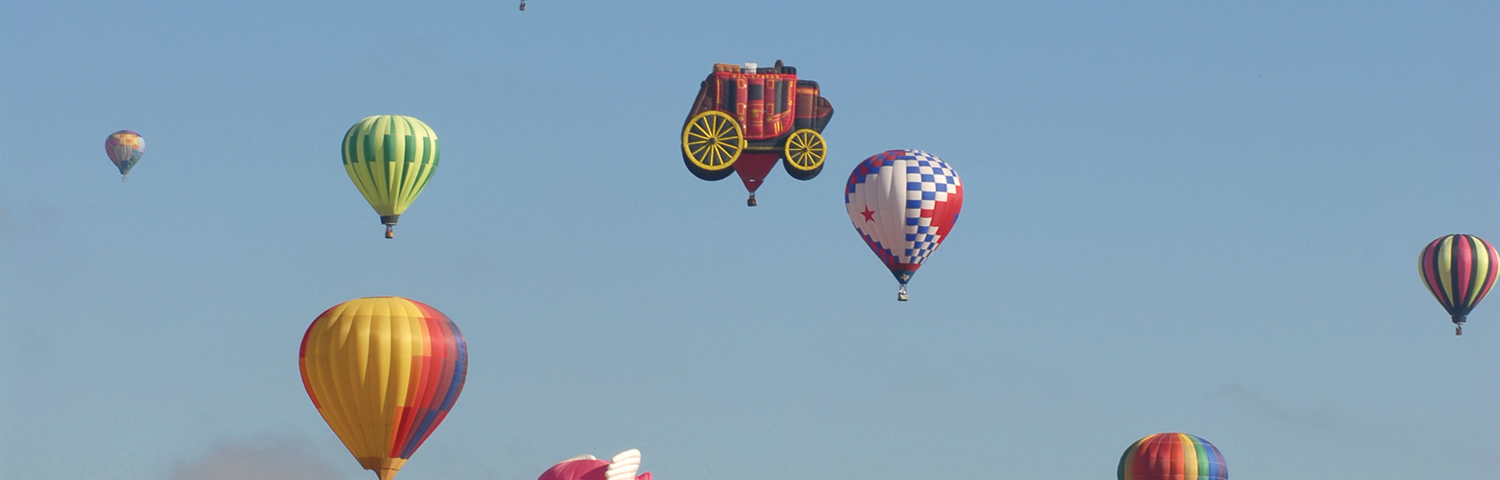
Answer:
(903, 203)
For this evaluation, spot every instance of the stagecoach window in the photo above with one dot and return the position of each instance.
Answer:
(781, 92)
(727, 93)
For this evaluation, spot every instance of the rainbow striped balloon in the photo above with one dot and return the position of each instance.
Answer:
(1172, 456)
(1458, 270)
(383, 372)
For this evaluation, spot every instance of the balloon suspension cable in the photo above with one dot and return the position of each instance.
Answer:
(751, 201)
(901, 294)
(389, 232)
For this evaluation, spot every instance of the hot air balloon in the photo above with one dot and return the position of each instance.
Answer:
(124, 149)
(1458, 270)
(383, 372)
(390, 158)
(1172, 456)
(903, 203)
(746, 118)
(586, 467)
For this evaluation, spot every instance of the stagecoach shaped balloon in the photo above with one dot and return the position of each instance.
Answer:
(1459, 270)
(124, 149)
(1172, 456)
(390, 158)
(586, 467)
(903, 203)
(383, 372)
(745, 118)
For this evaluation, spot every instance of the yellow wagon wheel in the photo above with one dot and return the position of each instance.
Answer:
(804, 153)
(712, 141)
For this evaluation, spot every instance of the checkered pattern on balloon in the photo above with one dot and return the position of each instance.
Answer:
(903, 203)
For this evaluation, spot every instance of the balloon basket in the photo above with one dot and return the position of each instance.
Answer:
(751, 202)
(901, 294)
(389, 232)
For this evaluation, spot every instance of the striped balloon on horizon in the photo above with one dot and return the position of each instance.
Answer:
(1459, 270)
(1172, 456)
(383, 372)
(390, 158)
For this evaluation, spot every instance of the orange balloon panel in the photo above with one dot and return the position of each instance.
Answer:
(383, 372)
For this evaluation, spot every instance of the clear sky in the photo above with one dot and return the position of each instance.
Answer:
(1178, 217)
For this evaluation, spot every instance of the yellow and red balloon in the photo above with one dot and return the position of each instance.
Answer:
(383, 372)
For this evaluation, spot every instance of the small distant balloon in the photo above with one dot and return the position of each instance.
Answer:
(622, 467)
(1459, 270)
(124, 149)
(903, 203)
(1172, 456)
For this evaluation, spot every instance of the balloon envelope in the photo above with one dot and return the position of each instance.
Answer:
(124, 149)
(1172, 456)
(1459, 270)
(577, 469)
(390, 158)
(622, 467)
(383, 372)
(903, 204)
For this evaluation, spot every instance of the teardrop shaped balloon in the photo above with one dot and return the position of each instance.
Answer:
(903, 204)
(390, 158)
(383, 372)
(1459, 270)
(124, 149)
(1172, 456)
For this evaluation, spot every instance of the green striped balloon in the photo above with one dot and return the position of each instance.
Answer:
(390, 158)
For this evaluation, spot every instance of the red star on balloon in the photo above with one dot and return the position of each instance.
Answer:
(869, 214)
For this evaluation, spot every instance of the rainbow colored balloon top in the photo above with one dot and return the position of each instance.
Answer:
(1459, 270)
(1172, 456)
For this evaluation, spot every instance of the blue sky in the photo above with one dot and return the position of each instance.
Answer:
(1178, 217)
